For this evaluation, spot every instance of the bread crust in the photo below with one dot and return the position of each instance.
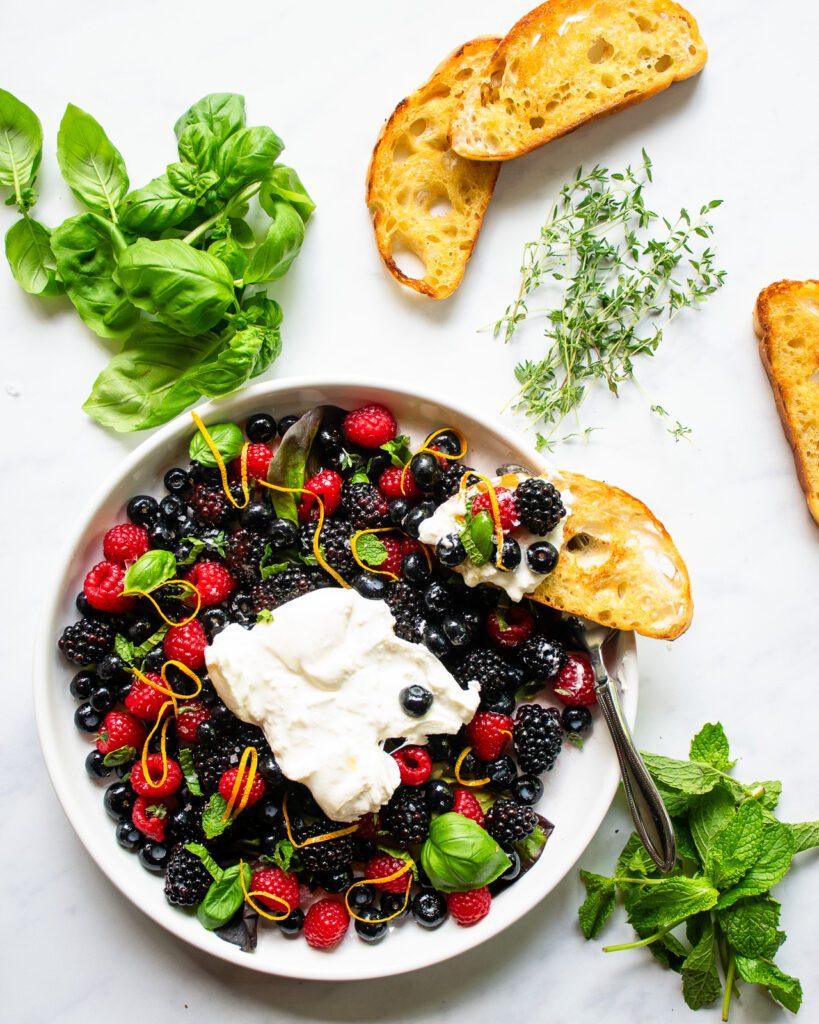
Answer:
(765, 328)
(442, 170)
(547, 20)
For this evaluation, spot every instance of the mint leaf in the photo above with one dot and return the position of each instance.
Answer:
(188, 770)
(669, 900)
(218, 542)
(771, 865)
(199, 851)
(710, 816)
(148, 645)
(284, 856)
(359, 477)
(668, 950)
(676, 803)
(685, 842)
(782, 987)
(689, 777)
(752, 927)
(736, 848)
(264, 615)
(477, 537)
(398, 450)
(598, 906)
(700, 978)
(212, 823)
(805, 835)
(370, 549)
(773, 791)
(122, 755)
(710, 745)
(634, 859)
(124, 648)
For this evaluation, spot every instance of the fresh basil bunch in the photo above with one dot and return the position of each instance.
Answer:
(173, 269)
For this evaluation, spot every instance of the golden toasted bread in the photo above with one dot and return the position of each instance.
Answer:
(569, 61)
(786, 319)
(423, 197)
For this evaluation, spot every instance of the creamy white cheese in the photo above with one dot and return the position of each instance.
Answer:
(449, 518)
(323, 681)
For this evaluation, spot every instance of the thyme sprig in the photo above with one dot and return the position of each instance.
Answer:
(618, 291)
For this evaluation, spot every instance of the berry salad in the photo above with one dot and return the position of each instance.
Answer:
(301, 714)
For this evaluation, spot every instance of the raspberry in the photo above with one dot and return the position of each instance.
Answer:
(258, 787)
(150, 816)
(326, 924)
(327, 485)
(469, 907)
(213, 581)
(574, 685)
(277, 883)
(186, 644)
(406, 815)
(540, 505)
(103, 588)
(389, 483)
(143, 700)
(395, 555)
(365, 505)
(488, 734)
(509, 517)
(86, 641)
(509, 822)
(210, 505)
(415, 765)
(510, 629)
(186, 878)
(125, 543)
(189, 719)
(538, 737)
(370, 426)
(467, 805)
(141, 785)
(259, 457)
(382, 866)
(411, 546)
(119, 729)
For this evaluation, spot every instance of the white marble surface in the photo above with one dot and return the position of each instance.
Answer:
(325, 75)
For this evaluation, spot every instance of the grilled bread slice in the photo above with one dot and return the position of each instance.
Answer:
(423, 197)
(786, 319)
(569, 61)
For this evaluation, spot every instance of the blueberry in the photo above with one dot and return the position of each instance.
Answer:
(257, 516)
(512, 872)
(214, 620)
(154, 659)
(103, 699)
(363, 849)
(154, 857)
(577, 720)
(437, 598)
(109, 667)
(173, 508)
(527, 789)
(85, 608)
(87, 719)
(177, 481)
(415, 568)
(269, 769)
(436, 640)
(500, 772)
(283, 533)
(439, 747)
(269, 818)
(456, 630)
(139, 630)
(331, 438)
(448, 443)
(370, 586)
(542, 557)
(394, 903)
(119, 800)
(377, 463)
(94, 765)
(142, 510)
(260, 428)
(416, 700)
(361, 896)
(413, 519)
(510, 554)
(81, 685)
(440, 797)
(293, 924)
(368, 925)
(429, 908)
(450, 550)
(184, 824)
(503, 704)
(128, 836)
(339, 881)
(398, 509)
(285, 423)
(425, 470)
(470, 765)
(161, 536)
(241, 607)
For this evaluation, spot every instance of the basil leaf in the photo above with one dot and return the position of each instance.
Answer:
(288, 467)
(228, 439)
(477, 537)
(237, 362)
(189, 180)
(154, 208)
(248, 155)
(280, 247)
(371, 550)
(213, 821)
(150, 570)
(284, 183)
(86, 249)
(231, 254)
(202, 853)
(144, 384)
(21, 147)
(460, 855)
(222, 113)
(198, 146)
(28, 250)
(92, 166)
(223, 898)
(241, 232)
(184, 288)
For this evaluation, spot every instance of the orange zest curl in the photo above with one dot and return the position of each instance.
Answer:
(220, 462)
(425, 447)
(466, 482)
(163, 745)
(466, 782)
(405, 870)
(267, 895)
(358, 561)
(185, 584)
(241, 783)
(166, 688)
(313, 839)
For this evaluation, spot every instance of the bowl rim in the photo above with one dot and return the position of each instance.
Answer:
(491, 926)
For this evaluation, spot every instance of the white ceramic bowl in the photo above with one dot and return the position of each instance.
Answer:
(577, 792)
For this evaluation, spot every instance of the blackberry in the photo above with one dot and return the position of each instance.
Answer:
(539, 505)
(538, 737)
(495, 674)
(245, 550)
(406, 606)
(85, 642)
(449, 481)
(406, 815)
(211, 761)
(508, 822)
(210, 505)
(365, 505)
(282, 587)
(335, 539)
(541, 658)
(328, 857)
(186, 878)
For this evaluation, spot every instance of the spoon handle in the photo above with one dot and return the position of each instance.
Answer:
(645, 803)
